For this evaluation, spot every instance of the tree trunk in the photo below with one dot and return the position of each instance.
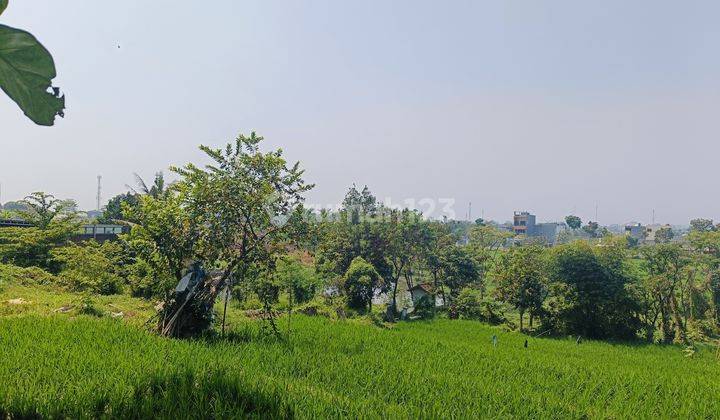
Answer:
(394, 296)
(665, 322)
(715, 290)
(190, 313)
(522, 313)
(679, 326)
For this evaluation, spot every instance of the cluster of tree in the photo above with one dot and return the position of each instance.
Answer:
(238, 227)
(367, 250)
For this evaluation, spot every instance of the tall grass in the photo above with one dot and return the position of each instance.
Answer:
(89, 368)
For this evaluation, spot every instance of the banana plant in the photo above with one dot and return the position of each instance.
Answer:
(26, 73)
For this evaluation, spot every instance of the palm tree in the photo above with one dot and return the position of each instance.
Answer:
(156, 190)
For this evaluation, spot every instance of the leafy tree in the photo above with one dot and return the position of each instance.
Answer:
(591, 229)
(362, 281)
(43, 209)
(297, 278)
(485, 241)
(164, 234)
(588, 291)
(15, 206)
(360, 205)
(347, 236)
(239, 211)
(664, 235)
(487, 238)
(706, 246)
(439, 238)
(459, 270)
(406, 237)
(155, 190)
(26, 72)
(702, 225)
(521, 280)
(113, 211)
(666, 264)
(573, 222)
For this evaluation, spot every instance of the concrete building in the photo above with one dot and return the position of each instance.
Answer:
(524, 223)
(636, 231)
(549, 231)
(651, 230)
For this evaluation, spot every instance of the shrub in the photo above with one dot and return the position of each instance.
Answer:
(146, 282)
(470, 304)
(31, 247)
(26, 276)
(318, 307)
(91, 267)
(300, 280)
(424, 308)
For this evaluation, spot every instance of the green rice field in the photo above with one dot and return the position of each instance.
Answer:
(84, 367)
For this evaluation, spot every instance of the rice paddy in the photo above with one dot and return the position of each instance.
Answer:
(85, 367)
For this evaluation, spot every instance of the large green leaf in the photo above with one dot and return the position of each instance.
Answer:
(3, 5)
(26, 71)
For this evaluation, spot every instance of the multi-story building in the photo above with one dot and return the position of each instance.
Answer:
(636, 231)
(523, 223)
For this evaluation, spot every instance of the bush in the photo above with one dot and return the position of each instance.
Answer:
(26, 276)
(424, 308)
(31, 247)
(470, 304)
(91, 267)
(297, 278)
(318, 307)
(145, 281)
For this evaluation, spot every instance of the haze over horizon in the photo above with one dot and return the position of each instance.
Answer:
(551, 107)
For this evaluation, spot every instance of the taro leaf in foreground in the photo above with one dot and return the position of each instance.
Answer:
(26, 71)
(3, 5)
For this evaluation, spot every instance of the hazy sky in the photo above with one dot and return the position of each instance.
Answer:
(547, 106)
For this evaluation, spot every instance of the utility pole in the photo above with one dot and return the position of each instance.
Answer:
(596, 213)
(470, 211)
(99, 191)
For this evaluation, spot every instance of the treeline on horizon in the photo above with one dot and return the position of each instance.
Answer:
(243, 218)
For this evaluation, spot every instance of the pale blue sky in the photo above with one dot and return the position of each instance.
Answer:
(547, 106)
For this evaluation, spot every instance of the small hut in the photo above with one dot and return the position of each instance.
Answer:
(420, 291)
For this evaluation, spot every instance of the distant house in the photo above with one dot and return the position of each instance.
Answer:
(419, 291)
